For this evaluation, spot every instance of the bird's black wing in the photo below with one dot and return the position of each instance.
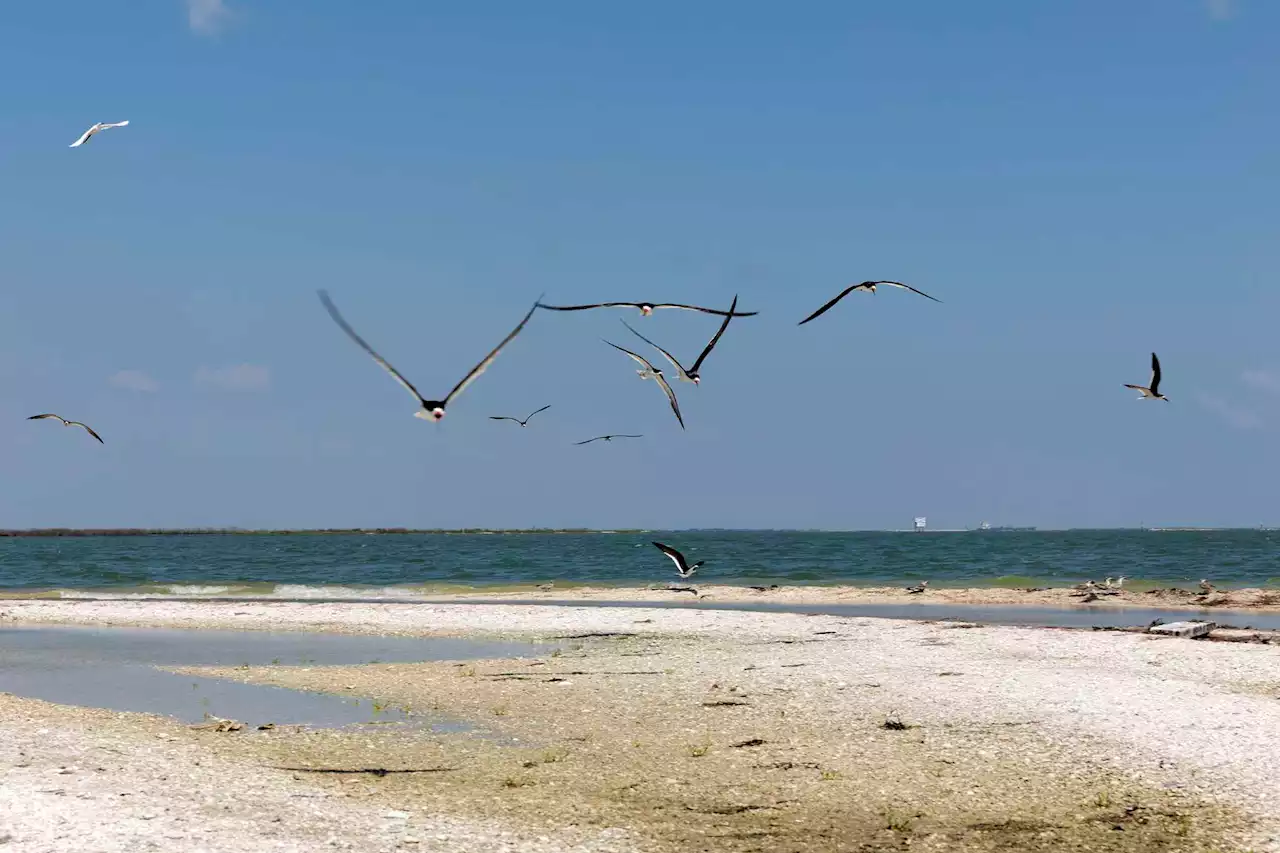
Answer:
(673, 554)
(909, 287)
(816, 314)
(351, 333)
(639, 358)
(589, 440)
(531, 414)
(46, 415)
(488, 359)
(87, 429)
(1155, 374)
(588, 307)
(716, 311)
(671, 358)
(503, 418)
(715, 340)
(671, 397)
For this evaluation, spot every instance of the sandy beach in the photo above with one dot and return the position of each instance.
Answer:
(669, 730)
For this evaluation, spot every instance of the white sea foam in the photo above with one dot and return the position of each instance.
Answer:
(268, 592)
(307, 591)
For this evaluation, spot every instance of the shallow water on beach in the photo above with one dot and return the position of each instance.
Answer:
(300, 566)
(116, 668)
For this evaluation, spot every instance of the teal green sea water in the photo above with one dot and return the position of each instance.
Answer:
(301, 565)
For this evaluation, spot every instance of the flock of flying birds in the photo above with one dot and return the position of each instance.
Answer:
(434, 410)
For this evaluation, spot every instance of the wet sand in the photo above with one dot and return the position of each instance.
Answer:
(1133, 595)
(675, 730)
(1164, 597)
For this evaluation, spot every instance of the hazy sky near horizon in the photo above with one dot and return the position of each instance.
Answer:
(1080, 183)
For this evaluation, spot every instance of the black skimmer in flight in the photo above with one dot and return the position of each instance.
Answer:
(609, 437)
(646, 308)
(651, 372)
(432, 410)
(66, 422)
(517, 420)
(97, 128)
(916, 590)
(870, 287)
(691, 375)
(682, 565)
(1153, 392)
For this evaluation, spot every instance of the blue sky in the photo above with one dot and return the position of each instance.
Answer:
(1080, 183)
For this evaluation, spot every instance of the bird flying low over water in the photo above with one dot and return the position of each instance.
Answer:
(682, 565)
(66, 422)
(517, 420)
(869, 286)
(1153, 392)
(609, 437)
(432, 410)
(100, 126)
(651, 372)
(691, 375)
(646, 308)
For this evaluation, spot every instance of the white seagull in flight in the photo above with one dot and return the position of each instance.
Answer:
(648, 371)
(1152, 392)
(646, 308)
(432, 410)
(524, 422)
(691, 375)
(870, 287)
(100, 126)
(682, 565)
(66, 422)
(610, 437)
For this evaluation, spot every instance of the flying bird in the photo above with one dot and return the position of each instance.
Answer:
(1152, 392)
(646, 308)
(100, 126)
(691, 375)
(916, 590)
(609, 437)
(517, 420)
(651, 372)
(869, 286)
(432, 410)
(66, 422)
(682, 565)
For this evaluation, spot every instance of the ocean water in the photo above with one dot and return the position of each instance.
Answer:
(306, 565)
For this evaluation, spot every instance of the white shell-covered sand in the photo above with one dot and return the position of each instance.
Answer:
(1195, 718)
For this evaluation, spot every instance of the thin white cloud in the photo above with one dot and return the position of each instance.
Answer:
(238, 377)
(1262, 380)
(1220, 10)
(133, 380)
(207, 17)
(1229, 412)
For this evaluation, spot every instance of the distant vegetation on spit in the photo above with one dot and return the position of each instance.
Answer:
(235, 531)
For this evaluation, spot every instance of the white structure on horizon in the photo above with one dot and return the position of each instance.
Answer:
(919, 525)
